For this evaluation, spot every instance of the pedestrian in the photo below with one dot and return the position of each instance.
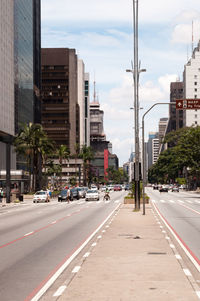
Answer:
(1, 195)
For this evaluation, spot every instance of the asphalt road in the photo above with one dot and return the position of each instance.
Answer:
(181, 211)
(36, 239)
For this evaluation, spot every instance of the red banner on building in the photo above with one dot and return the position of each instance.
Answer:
(106, 154)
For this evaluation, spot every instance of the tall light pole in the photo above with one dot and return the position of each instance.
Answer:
(136, 72)
(143, 156)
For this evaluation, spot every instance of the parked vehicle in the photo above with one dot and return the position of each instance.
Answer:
(41, 196)
(75, 193)
(63, 196)
(81, 192)
(92, 195)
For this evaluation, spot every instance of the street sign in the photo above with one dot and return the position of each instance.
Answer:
(188, 104)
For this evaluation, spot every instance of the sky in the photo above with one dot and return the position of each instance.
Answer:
(102, 34)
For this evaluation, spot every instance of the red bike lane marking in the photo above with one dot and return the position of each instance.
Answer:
(40, 229)
(179, 238)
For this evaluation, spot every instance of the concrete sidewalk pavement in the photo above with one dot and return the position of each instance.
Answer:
(132, 261)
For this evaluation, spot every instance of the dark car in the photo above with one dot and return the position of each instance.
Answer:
(62, 197)
(127, 187)
(75, 193)
(163, 189)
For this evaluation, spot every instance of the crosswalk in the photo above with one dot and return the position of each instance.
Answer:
(177, 201)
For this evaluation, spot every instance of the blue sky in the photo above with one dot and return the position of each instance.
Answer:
(102, 34)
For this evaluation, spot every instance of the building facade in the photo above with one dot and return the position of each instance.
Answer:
(175, 116)
(191, 79)
(60, 109)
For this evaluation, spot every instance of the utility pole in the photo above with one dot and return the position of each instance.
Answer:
(136, 72)
(143, 146)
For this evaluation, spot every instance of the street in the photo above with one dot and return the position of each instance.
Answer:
(37, 239)
(181, 212)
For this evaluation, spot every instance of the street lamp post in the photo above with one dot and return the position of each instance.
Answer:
(136, 72)
(143, 160)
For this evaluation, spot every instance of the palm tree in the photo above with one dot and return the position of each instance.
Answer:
(62, 153)
(30, 142)
(87, 155)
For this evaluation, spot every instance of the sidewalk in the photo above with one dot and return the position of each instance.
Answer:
(131, 262)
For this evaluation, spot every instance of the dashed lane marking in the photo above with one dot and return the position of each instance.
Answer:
(59, 291)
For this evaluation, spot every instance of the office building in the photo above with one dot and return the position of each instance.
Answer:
(60, 109)
(175, 116)
(83, 101)
(191, 80)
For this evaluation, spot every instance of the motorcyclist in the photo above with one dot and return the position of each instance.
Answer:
(107, 195)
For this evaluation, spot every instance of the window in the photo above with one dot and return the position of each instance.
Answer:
(195, 96)
(195, 115)
(195, 122)
(195, 76)
(195, 83)
(195, 90)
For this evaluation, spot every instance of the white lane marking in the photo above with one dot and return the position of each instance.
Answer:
(187, 272)
(60, 290)
(69, 260)
(189, 201)
(103, 231)
(98, 237)
(107, 226)
(163, 231)
(198, 294)
(161, 227)
(197, 201)
(172, 246)
(178, 256)
(86, 254)
(162, 201)
(28, 233)
(191, 209)
(54, 222)
(117, 201)
(180, 201)
(94, 244)
(171, 201)
(178, 240)
(76, 269)
(167, 237)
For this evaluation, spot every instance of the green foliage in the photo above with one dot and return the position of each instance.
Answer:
(116, 176)
(184, 152)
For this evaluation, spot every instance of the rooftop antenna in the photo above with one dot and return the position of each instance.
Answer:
(94, 94)
(192, 38)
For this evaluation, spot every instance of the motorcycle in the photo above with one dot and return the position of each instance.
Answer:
(106, 196)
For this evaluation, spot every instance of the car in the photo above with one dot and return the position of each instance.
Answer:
(163, 188)
(155, 187)
(92, 195)
(103, 188)
(75, 193)
(41, 196)
(63, 196)
(127, 187)
(81, 192)
(117, 188)
(175, 189)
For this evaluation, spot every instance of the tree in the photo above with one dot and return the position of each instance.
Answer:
(86, 153)
(30, 143)
(62, 153)
(183, 154)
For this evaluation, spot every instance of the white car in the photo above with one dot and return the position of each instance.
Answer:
(92, 195)
(41, 196)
